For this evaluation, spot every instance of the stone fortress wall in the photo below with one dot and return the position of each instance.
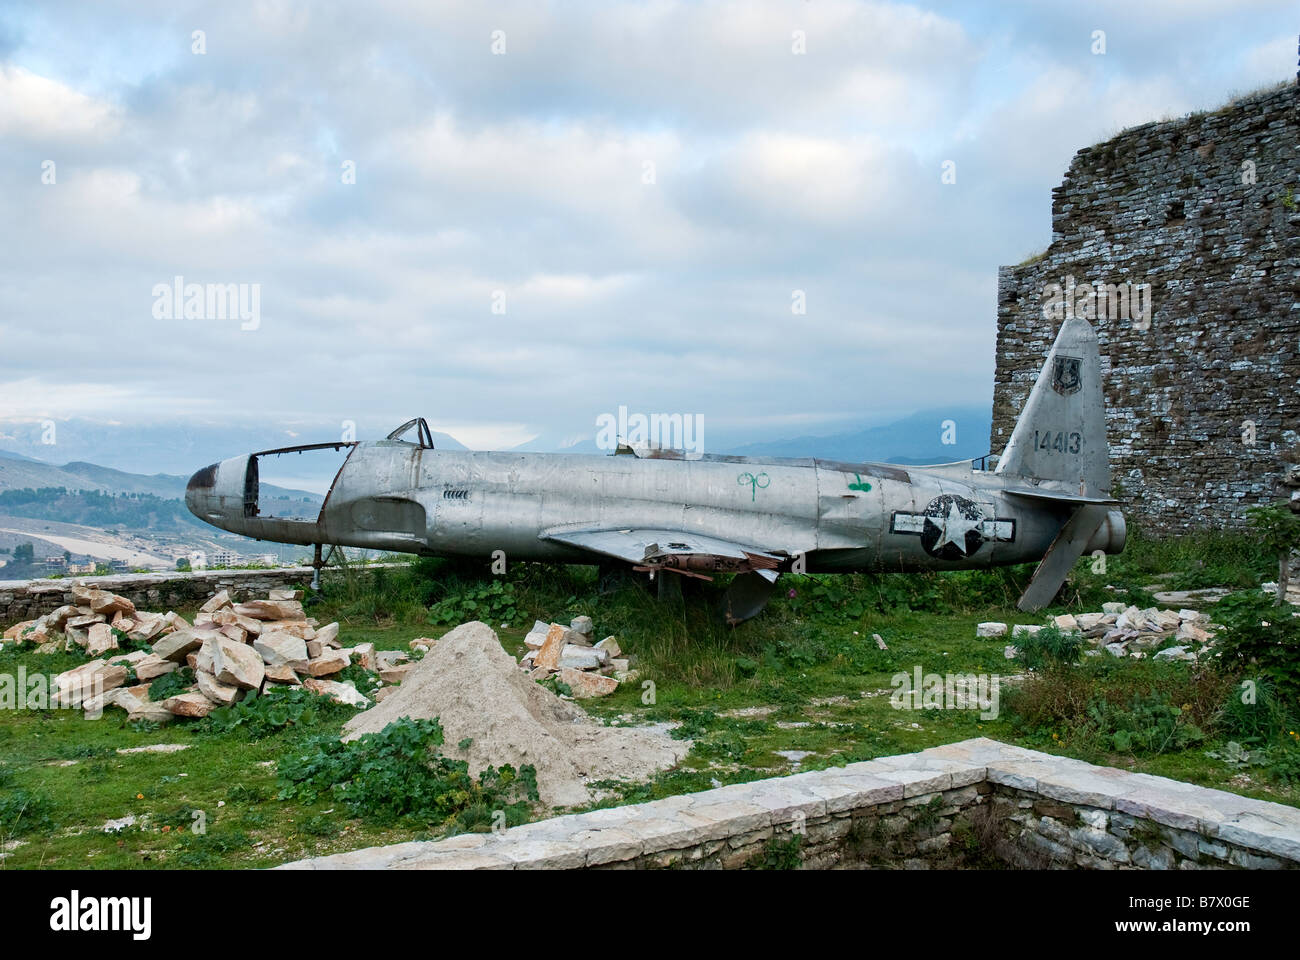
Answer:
(1203, 388)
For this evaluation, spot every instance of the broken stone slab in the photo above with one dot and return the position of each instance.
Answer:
(1175, 653)
(281, 648)
(575, 657)
(1113, 607)
(152, 666)
(328, 635)
(282, 673)
(397, 673)
(586, 685)
(990, 628)
(330, 662)
(299, 628)
(150, 712)
(271, 610)
(14, 632)
(175, 645)
(103, 602)
(363, 654)
(237, 664)
(1066, 623)
(1191, 598)
(58, 617)
(610, 647)
(582, 625)
(284, 593)
(391, 658)
(534, 640)
(222, 694)
(338, 692)
(226, 617)
(192, 704)
(100, 639)
(147, 628)
(1167, 619)
(216, 602)
(548, 656)
(1024, 629)
(175, 621)
(91, 679)
(85, 621)
(1088, 621)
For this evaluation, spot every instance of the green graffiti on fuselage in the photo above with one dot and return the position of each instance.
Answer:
(756, 483)
(860, 484)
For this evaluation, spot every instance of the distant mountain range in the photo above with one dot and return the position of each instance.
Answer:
(923, 437)
(918, 439)
(177, 448)
(18, 472)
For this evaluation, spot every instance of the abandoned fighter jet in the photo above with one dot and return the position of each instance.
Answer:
(1048, 500)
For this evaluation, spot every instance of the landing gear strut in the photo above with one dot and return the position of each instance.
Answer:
(317, 562)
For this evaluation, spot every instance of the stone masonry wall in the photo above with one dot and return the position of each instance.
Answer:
(977, 803)
(1207, 210)
(29, 599)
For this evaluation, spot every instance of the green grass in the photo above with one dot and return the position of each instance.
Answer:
(806, 676)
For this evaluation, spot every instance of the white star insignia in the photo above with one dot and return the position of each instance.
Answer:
(954, 528)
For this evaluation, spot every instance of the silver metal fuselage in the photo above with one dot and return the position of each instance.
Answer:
(400, 496)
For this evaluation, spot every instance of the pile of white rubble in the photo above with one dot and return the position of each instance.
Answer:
(232, 648)
(1126, 631)
(567, 653)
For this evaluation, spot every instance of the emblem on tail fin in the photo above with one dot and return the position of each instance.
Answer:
(1066, 375)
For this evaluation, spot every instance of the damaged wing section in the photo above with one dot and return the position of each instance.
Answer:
(686, 553)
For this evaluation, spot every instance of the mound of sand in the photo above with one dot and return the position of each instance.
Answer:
(476, 690)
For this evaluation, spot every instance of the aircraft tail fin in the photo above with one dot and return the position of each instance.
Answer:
(1061, 433)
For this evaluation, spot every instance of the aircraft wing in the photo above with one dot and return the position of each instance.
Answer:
(671, 548)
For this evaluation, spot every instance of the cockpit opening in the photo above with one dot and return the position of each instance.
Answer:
(291, 483)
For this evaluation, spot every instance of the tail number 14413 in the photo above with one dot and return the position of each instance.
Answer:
(1058, 442)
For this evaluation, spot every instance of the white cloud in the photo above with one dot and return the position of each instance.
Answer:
(33, 107)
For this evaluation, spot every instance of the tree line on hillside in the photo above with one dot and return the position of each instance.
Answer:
(136, 512)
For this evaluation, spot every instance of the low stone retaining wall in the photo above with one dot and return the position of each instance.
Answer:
(29, 599)
(976, 803)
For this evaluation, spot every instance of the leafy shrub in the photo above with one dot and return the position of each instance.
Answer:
(171, 684)
(397, 774)
(1282, 763)
(1049, 647)
(1235, 755)
(492, 602)
(1259, 639)
(261, 716)
(1150, 724)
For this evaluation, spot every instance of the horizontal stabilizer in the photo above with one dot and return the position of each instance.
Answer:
(1039, 494)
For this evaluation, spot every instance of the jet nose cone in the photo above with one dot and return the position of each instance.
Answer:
(199, 491)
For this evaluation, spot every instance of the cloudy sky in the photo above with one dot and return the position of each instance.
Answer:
(558, 207)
